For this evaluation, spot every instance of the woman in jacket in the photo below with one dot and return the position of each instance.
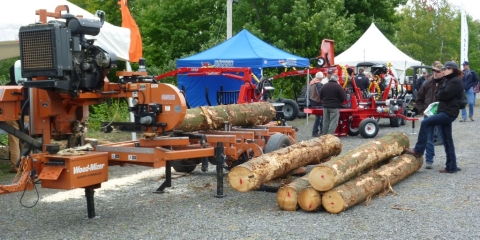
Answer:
(449, 90)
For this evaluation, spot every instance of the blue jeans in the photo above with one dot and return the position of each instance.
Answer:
(445, 122)
(437, 135)
(471, 104)
(317, 124)
(430, 147)
(330, 120)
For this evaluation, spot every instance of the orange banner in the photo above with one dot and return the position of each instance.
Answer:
(136, 51)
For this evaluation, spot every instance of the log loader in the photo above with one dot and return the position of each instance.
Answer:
(66, 73)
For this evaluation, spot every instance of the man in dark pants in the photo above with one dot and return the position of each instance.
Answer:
(332, 96)
(314, 97)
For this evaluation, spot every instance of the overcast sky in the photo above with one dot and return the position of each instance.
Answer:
(471, 6)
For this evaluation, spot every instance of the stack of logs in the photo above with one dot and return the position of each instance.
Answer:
(338, 184)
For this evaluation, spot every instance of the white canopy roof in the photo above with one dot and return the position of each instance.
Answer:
(17, 13)
(373, 46)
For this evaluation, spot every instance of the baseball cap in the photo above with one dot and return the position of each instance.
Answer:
(451, 65)
(438, 67)
(465, 63)
(424, 71)
(330, 71)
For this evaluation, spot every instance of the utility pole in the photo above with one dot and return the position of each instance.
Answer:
(229, 19)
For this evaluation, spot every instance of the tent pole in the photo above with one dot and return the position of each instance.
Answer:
(308, 90)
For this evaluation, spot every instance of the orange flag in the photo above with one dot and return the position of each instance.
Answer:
(135, 52)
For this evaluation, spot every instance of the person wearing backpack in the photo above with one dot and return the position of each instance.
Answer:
(449, 92)
(314, 97)
(470, 80)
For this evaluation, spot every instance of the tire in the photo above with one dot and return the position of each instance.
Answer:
(321, 61)
(276, 142)
(186, 166)
(290, 109)
(352, 131)
(368, 128)
(395, 121)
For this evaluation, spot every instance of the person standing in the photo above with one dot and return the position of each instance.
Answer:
(362, 81)
(332, 96)
(314, 97)
(449, 90)
(426, 96)
(421, 80)
(470, 80)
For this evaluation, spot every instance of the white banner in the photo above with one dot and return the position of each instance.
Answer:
(464, 38)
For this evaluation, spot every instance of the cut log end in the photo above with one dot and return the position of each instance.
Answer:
(241, 179)
(287, 198)
(321, 178)
(333, 202)
(309, 199)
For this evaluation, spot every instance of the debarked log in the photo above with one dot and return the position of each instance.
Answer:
(252, 174)
(368, 185)
(213, 118)
(345, 166)
(310, 199)
(287, 195)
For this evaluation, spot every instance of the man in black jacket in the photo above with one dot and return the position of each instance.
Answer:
(362, 81)
(332, 96)
(426, 96)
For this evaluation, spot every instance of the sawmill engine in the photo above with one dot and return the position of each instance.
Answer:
(57, 56)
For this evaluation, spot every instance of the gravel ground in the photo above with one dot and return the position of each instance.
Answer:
(435, 205)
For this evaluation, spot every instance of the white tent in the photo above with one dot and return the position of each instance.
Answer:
(373, 46)
(15, 14)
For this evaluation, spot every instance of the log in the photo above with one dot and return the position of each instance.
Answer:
(252, 174)
(287, 195)
(343, 167)
(370, 184)
(213, 118)
(310, 199)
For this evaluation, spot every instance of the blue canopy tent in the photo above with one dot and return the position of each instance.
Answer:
(242, 50)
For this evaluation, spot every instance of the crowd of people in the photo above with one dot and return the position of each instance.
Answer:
(446, 85)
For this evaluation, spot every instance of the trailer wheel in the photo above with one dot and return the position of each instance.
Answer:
(276, 142)
(395, 121)
(353, 131)
(186, 166)
(368, 128)
(290, 109)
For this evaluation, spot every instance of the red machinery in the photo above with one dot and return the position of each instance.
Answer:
(62, 84)
(361, 111)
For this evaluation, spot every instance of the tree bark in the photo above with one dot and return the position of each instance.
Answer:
(370, 184)
(287, 195)
(211, 118)
(343, 167)
(252, 174)
(310, 199)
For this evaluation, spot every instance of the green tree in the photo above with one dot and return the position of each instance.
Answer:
(379, 11)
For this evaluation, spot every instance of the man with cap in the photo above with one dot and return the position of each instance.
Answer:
(426, 96)
(332, 96)
(470, 80)
(327, 78)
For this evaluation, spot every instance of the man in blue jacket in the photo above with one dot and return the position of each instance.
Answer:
(470, 80)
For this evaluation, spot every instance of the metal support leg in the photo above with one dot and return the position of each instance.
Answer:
(220, 157)
(89, 192)
(168, 178)
(204, 164)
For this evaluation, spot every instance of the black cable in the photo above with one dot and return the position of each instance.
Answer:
(24, 190)
(224, 14)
